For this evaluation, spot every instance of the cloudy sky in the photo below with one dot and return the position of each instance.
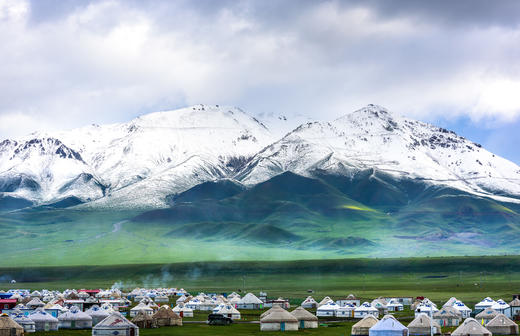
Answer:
(68, 63)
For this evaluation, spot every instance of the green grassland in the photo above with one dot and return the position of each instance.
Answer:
(289, 217)
(468, 278)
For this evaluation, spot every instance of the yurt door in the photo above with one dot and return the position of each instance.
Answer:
(73, 324)
(282, 326)
(302, 324)
(132, 332)
(181, 313)
(13, 331)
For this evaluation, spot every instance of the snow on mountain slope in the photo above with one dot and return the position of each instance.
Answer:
(171, 150)
(140, 162)
(374, 138)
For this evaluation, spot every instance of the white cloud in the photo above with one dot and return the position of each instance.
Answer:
(111, 60)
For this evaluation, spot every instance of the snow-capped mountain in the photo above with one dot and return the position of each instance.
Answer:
(139, 163)
(373, 137)
(134, 163)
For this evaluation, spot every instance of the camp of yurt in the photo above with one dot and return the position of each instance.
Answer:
(165, 316)
(423, 325)
(74, 319)
(278, 319)
(502, 325)
(44, 321)
(388, 326)
(144, 320)
(97, 314)
(115, 324)
(8, 327)
(471, 327)
(306, 320)
(486, 315)
(362, 327)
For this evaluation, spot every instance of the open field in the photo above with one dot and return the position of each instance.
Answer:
(468, 278)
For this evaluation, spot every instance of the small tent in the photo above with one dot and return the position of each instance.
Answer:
(229, 311)
(362, 327)
(502, 325)
(74, 319)
(144, 320)
(364, 310)
(250, 301)
(305, 319)
(115, 324)
(448, 316)
(328, 309)
(309, 302)
(8, 327)
(166, 317)
(423, 325)
(486, 315)
(97, 314)
(44, 321)
(26, 323)
(472, 327)
(278, 319)
(183, 311)
(388, 326)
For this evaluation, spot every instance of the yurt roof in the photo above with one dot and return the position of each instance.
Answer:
(8, 323)
(115, 321)
(487, 313)
(35, 302)
(250, 298)
(470, 326)
(96, 311)
(303, 315)
(278, 314)
(351, 297)
(43, 316)
(447, 311)
(500, 321)
(309, 299)
(388, 322)
(141, 306)
(329, 306)
(366, 322)
(423, 320)
(74, 314)
(325, 300)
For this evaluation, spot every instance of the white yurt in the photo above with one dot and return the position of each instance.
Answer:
(451, 302)
(365, 309)
(346, 311)
(464, 310)
(183, 311)
(278, 319)
(423, 325)
(141, 307)
(26, 323)
(362, 327)
(97, 314)
(427, 308)
(309, 302)
(306, 320)
(501, 307)
(115, 324)
(485, 303)
(250, 301)
(388, 326)
(472, 327)
(74, 319)
(328, 309)
(502, 325)
(229, 311)
(44, 321)
(394, 305)
(515, 307)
